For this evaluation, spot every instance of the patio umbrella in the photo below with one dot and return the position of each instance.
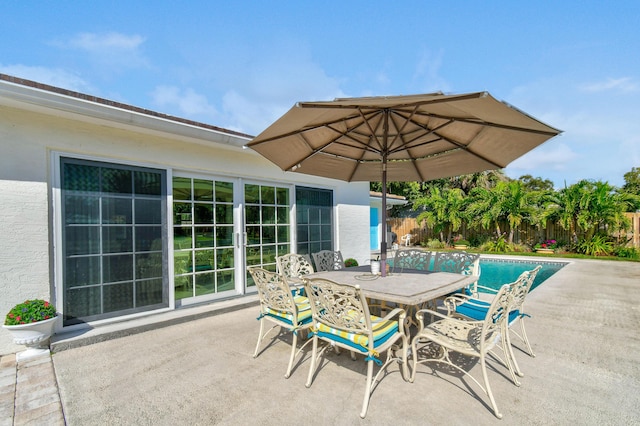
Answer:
(400, 138)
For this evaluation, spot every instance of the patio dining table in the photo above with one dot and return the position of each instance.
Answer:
(408, 287)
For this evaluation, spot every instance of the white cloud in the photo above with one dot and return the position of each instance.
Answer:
(624, 84)
(106, 42)
(187, 101)
(51, 76)
(109, 52)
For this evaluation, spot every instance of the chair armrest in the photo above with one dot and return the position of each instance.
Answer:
(488, 289)
(454, 300)
(421, 313)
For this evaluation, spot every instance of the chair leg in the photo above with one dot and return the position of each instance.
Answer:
(260, 337)
(525, 339)
(294, 346)
(314, 360)
(510, 359)
(487, 387)
(367, 391)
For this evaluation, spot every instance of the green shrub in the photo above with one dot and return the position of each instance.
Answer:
(433, 244)
(627, 252)
(350, 262)
(595, 246)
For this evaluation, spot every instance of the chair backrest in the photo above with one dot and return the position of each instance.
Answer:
(522, 286)
(328, 260)
(494, 321)
(411, 259)
(294, 266)
(459, 262)
(340, 306)
(274, 292)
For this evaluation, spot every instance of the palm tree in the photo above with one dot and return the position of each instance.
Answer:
(508, 200)
(443, 209)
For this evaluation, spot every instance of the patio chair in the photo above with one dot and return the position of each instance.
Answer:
(476, 339)
(341, 318)
(475, 308)
(282, 307)
(328, 260)
(293, 267)
(411, 259)
(406, 239)
(459, 262)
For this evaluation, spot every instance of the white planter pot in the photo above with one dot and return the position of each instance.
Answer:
(375, 267)
(35, 336)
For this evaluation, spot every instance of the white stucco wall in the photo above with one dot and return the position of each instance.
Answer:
(28, 140)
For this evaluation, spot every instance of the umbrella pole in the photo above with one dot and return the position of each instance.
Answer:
(383, 244)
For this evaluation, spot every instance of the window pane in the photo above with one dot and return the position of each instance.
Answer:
(182, 262)
(116, 181)
(116, 210)
(117, 239)
(117, 268)
(81, 271)
(183, 287)
(268, 234)
(253, 235)
(181, 188)
(252, 194)
(225, 280)
(82, 240)
(148, 183)
(181, 238)
(252, 214)
(203, 213)
(283, 215)
(283, 233)
(268, 214)
(182, 214)
(202, 190)
(149, 266)
(204, 237)
(283, 196)
(205, 283)
(118, 297)
(82, 209)
(268, 254)
(224, 192)
(224, 214)
(268, 194)
(224, 258)
(204, 260)
(148, 238)
(82, 302)
(77, 177)
(224, 236)
(149, 292)
(148, 211)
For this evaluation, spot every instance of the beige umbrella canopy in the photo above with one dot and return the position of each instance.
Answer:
(400, 138)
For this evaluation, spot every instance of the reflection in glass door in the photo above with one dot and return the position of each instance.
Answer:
(203, 237)
(267, 225)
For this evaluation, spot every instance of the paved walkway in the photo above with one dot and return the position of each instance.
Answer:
(584, 331)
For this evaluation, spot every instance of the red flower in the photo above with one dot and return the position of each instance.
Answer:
(18, 318)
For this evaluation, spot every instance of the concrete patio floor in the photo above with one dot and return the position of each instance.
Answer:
(584, 330)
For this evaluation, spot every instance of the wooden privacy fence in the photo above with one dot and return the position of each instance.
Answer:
(525, 234)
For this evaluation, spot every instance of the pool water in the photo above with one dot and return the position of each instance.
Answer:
(496, 272)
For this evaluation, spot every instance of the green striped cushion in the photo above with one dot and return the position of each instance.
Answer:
(382, 330)
(304, 311)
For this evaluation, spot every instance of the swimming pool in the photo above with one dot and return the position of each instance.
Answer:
(495, 272)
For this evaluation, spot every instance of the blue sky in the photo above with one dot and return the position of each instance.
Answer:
(240, 65)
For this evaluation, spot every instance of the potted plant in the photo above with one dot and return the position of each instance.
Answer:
(547, 246)
(460, 243)
(31, 323)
